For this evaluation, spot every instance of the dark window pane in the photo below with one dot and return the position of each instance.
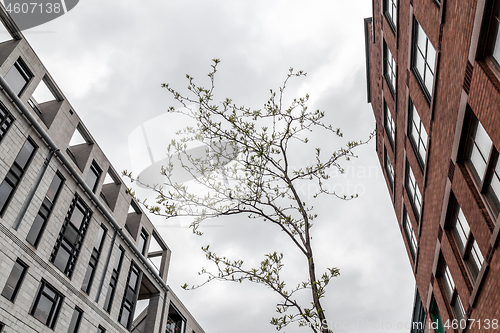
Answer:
(43, 308)
(99, 238)
(125, 316)
(71, 235)
(101, 329)
(77, 217)
(62, 258)
(86, 279)
(35, 230)
(16, 79)
(75, 321)
(5, 191)
(14, 281)
(47, 304)
(93, 176)
(54, 187)
(25, 154)
(109, 298)
(133, 280)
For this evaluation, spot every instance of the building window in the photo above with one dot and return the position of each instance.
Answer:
(451, 291)
(14, 281)
(94, 259)
(6, 119)
(113, 281)
(18, 76)
(417, 135)
(130, 296)
(16, 172)
(482, 158)
(494, 38)
(437, 321)
(175, 320)
(70, 239)
(47, 304)
(101, 329)
(143, 240)
(93, 176)
(467, 245)
(413, 192)
(388, 168)
(391, 12)
(1, 326)
(41, 218)
(424, 57)
(418, 321)
(389, 69)
(410, 234)
(76, 318)
(390, 128)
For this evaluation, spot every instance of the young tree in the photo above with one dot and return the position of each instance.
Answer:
(247, 169)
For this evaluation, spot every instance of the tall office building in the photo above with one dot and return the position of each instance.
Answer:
(433, 80)
(77, 254)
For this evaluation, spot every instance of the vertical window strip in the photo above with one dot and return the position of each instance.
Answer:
(389, 69)
(410, 234)
(418, 135)
(94, 260)
(413, 192)
(70, 239)
(47, 304)
(6, 119)
(389, 125)
(389, 168)
(424, 58)
(113, 281)
(38, 226)
(16, 172)
(14, 280)
(130, 296)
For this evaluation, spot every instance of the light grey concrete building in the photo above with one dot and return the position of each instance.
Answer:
(76, 252)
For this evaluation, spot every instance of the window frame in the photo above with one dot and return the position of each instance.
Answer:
(389, 125)
(45, 210)
(390, 69)
(464, 240)
(58, 299)
(71, 236)
(94, 259)
(96, 171)
(389, 7)
(130, 295)
(412, 111)
(415, 193)
(492, 163)
(389, 168)
(143, 238)
(19, 281)
(6, 121)
(421, 77)
(113, 281)
(79, 313)
(449, 290)
(23, 71)
(16, 173)
(410, 235)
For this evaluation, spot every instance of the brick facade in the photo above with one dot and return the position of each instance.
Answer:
(465, 91)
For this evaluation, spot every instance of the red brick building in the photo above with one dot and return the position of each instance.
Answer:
(433, 78)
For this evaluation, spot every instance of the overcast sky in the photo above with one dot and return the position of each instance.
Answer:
(110, 57)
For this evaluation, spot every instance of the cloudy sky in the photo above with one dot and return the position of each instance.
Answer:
(110, 57)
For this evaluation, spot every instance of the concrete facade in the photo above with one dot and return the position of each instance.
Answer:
(50, 126)
(450, 90)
